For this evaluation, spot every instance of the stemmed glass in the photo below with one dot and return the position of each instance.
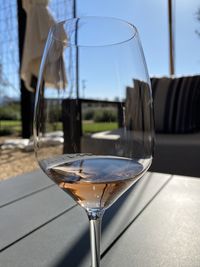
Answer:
(93, 121)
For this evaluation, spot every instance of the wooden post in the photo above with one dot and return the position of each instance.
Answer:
(120, 114)
(74, 9)
(171, 37)
(27, 98)
(71, 108)
(71, 116)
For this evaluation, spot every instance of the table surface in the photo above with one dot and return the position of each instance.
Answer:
(155, 223)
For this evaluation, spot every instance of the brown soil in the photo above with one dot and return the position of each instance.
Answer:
(14, 162)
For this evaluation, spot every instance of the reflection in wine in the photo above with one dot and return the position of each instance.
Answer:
(95, 182)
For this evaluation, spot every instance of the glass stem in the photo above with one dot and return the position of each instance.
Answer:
(95, 219)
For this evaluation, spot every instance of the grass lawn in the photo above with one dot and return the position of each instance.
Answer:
(11, 126)
(99, 127)
(10, 123)
(88, 127)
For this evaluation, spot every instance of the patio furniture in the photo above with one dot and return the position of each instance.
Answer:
(177, 125)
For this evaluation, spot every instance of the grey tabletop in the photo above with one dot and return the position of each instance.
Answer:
(155, 223)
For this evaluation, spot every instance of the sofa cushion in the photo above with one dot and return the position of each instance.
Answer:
(176, 104)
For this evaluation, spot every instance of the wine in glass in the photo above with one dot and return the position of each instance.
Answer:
(93, 122)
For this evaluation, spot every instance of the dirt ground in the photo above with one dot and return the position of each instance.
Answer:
(14, 162)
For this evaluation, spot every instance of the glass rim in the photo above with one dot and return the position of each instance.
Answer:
(70, 44)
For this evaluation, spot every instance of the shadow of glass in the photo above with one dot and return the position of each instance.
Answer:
(123, 208)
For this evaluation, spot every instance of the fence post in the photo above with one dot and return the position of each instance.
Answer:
(27, 98)
(72, 127)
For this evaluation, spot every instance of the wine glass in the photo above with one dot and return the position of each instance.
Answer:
(93, 120)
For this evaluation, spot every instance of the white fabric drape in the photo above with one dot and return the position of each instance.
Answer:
(39, 21)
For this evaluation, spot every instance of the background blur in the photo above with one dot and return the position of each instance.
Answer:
(150, 17)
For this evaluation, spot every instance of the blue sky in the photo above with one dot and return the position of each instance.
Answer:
(149, 16)
(151, 19)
